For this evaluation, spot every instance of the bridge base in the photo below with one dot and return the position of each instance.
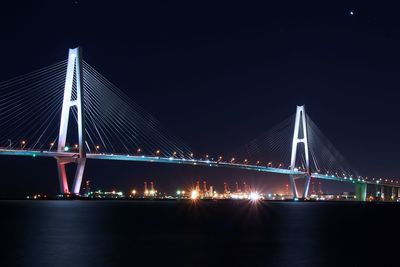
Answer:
(361, 192)
(293, 186)
(62, 175)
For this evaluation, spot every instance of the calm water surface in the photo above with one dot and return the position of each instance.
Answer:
(163, 233)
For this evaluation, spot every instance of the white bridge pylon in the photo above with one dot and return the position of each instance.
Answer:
(74, 71)
(300, 136)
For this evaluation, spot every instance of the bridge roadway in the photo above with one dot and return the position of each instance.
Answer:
(199, 162)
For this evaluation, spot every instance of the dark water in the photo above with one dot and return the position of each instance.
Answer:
(134, 233)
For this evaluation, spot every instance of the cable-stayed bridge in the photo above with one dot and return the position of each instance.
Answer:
(70, 112)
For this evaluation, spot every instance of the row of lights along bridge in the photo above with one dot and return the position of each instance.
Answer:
(233, 160)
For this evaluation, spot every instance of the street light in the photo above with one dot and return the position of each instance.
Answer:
(23, 143)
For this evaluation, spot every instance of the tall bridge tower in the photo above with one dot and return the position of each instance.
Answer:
(73, 80)
(300, 136)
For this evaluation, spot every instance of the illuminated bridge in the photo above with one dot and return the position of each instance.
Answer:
(71, 99)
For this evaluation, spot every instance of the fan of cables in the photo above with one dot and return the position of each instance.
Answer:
(30, 107)
(116, 124)
(275, 148)
(30, 111)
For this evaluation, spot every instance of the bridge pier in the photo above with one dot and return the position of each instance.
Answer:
(63, 177)
(80, 168)
(306, 186)
(293, 186)
(361, 192)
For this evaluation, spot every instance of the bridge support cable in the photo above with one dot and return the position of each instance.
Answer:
(29, 105)
(272, 147)
(325, 157)
(73, 76)
(120, 126)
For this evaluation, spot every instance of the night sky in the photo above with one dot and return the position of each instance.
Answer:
(219, 75)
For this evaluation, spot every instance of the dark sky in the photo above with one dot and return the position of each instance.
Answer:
(219, 75)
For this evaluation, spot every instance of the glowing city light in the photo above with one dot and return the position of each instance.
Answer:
(194, 195)
(254, 196)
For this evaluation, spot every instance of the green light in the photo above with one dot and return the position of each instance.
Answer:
(66, 148)
(34, 155)
(178, 192)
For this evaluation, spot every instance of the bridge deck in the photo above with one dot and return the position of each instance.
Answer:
(172, 160)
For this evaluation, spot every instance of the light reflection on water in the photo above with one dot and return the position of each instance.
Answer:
(200, 233)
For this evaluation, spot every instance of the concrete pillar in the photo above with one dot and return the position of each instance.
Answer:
(361, 191)
(293, 186)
